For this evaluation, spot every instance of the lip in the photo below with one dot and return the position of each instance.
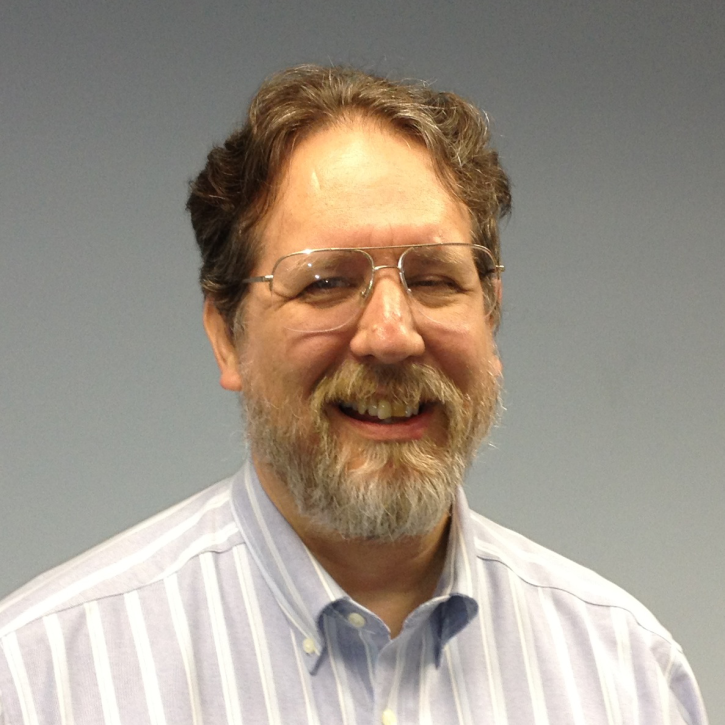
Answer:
(404, 429)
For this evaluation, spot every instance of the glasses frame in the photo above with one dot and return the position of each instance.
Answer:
(497, 269)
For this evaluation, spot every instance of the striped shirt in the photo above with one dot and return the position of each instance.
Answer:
(215, 612)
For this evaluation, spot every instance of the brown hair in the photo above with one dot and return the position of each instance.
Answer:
(229, 198)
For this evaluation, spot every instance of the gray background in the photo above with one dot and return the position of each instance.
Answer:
(609, 117)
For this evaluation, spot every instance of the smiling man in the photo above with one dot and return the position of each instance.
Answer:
(350, 266)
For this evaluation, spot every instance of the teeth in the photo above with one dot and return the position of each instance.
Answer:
(400, 410)
(382, 409)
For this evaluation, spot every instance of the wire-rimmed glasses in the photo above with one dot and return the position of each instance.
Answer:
(326, 289)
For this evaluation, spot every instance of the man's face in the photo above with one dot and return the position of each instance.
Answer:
(309, 396)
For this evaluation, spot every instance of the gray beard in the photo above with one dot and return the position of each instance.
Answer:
(373, 490)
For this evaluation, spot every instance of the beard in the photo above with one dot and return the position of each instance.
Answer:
(367, 489)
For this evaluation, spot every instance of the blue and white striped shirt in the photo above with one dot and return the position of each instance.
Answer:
(215, 612)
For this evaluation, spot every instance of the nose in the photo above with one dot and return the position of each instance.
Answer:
(386, 331)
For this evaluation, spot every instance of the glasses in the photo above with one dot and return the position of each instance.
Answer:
(325, 289)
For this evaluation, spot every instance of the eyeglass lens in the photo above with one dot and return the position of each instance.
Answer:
(325, 289)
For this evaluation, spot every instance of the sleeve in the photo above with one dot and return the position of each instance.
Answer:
(684, 693)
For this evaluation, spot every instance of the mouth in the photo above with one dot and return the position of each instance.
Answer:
(381, 410)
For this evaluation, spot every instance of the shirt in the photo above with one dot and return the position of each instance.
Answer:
(215, 612)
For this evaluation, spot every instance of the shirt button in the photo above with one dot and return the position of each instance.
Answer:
(357, 620)
(309, 646)
(388, 718)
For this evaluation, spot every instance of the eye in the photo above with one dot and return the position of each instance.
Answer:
(432, 281)
(434, 286)
(326, 283)
(328, 290)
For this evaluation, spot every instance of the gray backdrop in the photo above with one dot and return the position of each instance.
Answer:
(609, 117)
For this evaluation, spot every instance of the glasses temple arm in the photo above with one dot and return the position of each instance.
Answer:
(263, 278)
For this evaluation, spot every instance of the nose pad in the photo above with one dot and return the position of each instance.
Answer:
(373, 278)
(389, 293)
(386, 329)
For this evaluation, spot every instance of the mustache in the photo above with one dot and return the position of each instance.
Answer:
(409, 385)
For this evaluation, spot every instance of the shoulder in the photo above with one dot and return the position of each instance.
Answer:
(586, 625)
(138, 557)
(539, 568)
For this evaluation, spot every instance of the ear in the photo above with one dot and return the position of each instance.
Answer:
(496, 363)
(223, 347)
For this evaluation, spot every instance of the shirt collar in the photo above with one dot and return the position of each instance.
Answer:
(300, 585)
(304, 589)
(454, 603)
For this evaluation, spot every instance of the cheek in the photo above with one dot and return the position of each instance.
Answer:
(464, 355)
(293, 362)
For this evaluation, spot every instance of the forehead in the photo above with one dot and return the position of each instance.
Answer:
(360, 185)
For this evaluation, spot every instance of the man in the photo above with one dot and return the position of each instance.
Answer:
(349, 238)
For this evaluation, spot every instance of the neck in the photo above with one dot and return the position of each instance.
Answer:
(390, 578)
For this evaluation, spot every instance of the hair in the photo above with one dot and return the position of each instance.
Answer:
(229, 198)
